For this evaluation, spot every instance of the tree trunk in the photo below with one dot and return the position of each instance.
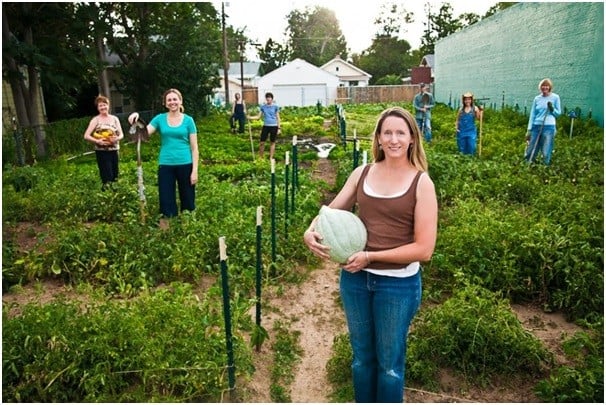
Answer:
(25, 97)
(103, 79)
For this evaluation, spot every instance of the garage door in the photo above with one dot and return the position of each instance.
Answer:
(300, 95)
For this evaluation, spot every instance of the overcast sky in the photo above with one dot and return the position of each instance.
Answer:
(264, 19)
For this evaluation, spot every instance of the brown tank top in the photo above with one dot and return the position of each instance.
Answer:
(389, 221)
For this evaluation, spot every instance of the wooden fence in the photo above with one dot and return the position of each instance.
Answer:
(376, 94)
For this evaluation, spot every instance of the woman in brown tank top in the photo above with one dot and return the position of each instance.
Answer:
(381, 286)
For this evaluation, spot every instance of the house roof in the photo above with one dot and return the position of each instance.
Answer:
(428, 60)
(338, 61)
(298, 71)
(249, 69)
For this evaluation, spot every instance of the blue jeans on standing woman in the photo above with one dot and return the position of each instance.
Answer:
(425, 127)
(541, 141)
(168, 175)
(379, 310)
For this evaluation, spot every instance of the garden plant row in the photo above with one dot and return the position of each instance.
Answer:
(147, 321)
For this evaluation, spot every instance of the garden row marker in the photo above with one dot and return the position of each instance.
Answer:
(356, 150)
(252, 147)
(258, 273)
(286, 174)
(294, 182)
(139, 130)
(273, 210)
(572, 114)
(231, 368)
(481, 119)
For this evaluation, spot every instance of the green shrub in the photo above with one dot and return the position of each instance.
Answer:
(473, 332)
(161, 347)
(583, 380)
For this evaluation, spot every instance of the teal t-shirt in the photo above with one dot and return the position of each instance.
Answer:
(175, 148)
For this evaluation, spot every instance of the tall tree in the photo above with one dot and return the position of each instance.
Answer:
(441, 24)
(166, 45)
(273, 55)
(31, 51)
(388, 57)
(315, 36)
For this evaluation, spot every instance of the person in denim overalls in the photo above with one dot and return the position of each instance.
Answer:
(465, 125)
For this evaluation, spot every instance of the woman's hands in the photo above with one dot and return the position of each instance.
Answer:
(133, 118)
(312, 240)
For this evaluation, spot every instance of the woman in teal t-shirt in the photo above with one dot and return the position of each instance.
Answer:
(178, 160)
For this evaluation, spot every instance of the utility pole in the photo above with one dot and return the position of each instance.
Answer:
(225, 56)
(242, 67)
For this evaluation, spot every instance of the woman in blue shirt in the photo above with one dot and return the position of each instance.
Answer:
(178, 160)
(542, 123)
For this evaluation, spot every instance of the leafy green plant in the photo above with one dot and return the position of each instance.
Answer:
(473, 332)
(287, 353)
(160, 347)
(583, 380)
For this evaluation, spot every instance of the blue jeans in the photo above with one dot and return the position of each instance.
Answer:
(425, 127)
(379, 310)
(541, 141)
(467, 143)
(168, 175)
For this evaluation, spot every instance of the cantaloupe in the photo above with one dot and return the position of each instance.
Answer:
(342, 231)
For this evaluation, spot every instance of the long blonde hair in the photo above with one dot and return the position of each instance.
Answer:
(416, 153)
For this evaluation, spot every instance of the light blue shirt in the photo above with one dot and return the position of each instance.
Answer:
(270, 114)
(539, 113)
(175, 148)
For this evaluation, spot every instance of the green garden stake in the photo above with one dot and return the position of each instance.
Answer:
(231, 368)
(259, 334)
(273, 211)
(294, 174)
(356, 150)
(286, 194)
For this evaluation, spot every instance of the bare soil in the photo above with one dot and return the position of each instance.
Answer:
(313, 309)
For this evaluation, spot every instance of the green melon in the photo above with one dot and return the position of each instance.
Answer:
(342, 231)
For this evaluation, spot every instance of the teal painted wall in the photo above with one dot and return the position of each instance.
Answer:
(508, 54)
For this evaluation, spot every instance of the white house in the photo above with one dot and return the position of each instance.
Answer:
(348, 74)
(299, 83)
(247, 73)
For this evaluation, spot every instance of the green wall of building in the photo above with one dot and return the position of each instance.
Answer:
(505, 56)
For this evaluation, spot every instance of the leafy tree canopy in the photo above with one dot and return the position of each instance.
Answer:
(167, 45)
(388, 57)
(315, 36)
(273, 55)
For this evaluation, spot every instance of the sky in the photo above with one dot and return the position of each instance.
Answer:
(263, 19)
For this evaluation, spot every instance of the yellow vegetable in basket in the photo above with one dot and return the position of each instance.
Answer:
(102, 133)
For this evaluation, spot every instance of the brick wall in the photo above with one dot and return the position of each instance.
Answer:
(505, 56)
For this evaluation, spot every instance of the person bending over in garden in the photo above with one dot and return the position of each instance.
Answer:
(105, 132)
(465, 124)
(271, 125)
(178, 160)
(381, 285)
(423, 103)
(238, 114)
(542, 123)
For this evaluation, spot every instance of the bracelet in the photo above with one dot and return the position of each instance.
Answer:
(367, 259)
